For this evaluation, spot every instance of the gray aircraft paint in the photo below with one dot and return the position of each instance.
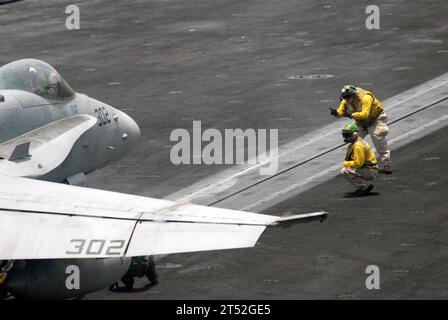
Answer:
(46, 279)
(113, 136)
(23, 111)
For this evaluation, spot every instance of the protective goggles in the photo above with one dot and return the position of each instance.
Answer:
(346, 95)
(347, 134)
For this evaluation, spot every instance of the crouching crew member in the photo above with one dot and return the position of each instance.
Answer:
(360, 165)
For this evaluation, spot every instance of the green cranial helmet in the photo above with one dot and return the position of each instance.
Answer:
(348, 91)
(349, 128)
(348, 132)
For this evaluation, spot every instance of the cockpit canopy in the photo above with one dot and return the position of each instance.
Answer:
(34, 76)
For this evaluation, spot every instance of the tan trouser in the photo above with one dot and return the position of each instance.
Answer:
(378, 132)
(359, 177)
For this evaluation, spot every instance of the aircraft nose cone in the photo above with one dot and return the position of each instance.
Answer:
(131, 131)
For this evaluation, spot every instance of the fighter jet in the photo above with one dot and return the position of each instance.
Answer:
(52, 224)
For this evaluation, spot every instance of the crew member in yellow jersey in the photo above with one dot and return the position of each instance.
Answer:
(368, 112)
(360, 165)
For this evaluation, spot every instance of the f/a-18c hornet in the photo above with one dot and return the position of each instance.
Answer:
(50, 138)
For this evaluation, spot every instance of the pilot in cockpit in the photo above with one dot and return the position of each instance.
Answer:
(32, 79)
(50, 88)
(44, 84)
(36, 77)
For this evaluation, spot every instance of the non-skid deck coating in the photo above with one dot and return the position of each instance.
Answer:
(316, 157)
(401, 228)
(262, 64)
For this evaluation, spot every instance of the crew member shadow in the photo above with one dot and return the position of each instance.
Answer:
(355, 195)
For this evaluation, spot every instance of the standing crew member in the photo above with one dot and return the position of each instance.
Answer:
(360, 165)
(368, 112)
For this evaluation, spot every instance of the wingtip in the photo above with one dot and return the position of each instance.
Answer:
(320, 216)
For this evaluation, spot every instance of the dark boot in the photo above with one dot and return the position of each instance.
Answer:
(128, 281)
(113, 286)
(387, 169)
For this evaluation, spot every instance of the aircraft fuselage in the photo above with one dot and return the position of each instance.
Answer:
(113, 136)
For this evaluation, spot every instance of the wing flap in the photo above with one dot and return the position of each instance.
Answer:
(175, 237)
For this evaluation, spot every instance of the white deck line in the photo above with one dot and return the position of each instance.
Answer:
(229, 180)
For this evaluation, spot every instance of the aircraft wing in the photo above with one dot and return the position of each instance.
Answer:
(45, 220)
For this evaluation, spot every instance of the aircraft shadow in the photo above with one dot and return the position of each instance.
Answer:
(141, 289)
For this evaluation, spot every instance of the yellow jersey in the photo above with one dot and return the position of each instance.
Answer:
(359, 155)
(365, 109)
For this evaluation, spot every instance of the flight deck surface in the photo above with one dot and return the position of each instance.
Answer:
(271, 65)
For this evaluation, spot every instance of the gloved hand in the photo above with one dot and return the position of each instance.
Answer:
(333, 112)
(347, 115)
